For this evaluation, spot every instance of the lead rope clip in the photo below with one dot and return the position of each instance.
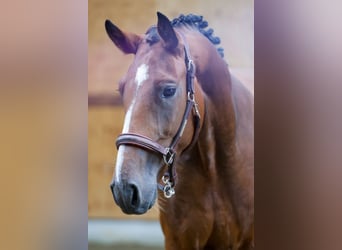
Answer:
(168, 190)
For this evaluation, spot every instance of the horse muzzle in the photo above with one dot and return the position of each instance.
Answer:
(130, 198)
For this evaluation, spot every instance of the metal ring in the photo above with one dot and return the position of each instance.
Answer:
(168, 157)
(169, 191)
(165, 179)
(191, 97)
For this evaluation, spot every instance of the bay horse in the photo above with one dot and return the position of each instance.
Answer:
(188, 136)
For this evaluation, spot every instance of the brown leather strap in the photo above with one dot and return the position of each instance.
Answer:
(140, 141)
(176, 138)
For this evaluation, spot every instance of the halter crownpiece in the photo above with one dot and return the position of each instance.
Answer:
(169, 153)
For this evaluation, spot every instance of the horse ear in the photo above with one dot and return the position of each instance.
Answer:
(167, 32)
(126, 42)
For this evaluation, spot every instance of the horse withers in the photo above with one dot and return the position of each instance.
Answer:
(188, 136)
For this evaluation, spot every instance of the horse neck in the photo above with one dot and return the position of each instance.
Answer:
(215, 82)
(211, 71)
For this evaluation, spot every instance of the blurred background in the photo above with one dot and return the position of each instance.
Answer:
(43, 108)
(232, 21)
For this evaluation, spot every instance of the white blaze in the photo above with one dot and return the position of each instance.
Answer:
(140, 77)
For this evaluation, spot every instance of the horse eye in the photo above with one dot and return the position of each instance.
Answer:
(169, 91)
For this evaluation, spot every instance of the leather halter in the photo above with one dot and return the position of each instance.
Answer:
(169, 153)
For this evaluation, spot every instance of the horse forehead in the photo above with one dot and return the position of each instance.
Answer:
(146, 71)
(153, 55)
(142, 74)
(153, 62)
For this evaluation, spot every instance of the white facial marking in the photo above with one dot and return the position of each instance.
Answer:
(119, 161)
(140, 77)
(128, 117)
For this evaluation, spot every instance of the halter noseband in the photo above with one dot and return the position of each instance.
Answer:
(169, 153)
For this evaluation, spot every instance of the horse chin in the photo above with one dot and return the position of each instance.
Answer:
(142, 209)
(137, 211)
(145, 203)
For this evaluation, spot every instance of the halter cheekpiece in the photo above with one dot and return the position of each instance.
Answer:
(169, 153)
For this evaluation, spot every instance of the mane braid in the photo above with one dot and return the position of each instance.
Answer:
(200, 24)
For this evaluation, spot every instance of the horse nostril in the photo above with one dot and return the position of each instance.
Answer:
(135, 195)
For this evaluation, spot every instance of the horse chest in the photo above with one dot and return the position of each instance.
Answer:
(201, 224)
(225, 230)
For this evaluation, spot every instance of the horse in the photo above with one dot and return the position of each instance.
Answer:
(187, 138)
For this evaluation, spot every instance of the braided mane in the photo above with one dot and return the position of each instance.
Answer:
(191, 20)
(200, 24)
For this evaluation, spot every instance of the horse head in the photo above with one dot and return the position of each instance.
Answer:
(155, 96)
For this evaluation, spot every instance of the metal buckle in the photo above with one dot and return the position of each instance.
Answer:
(191, 68)
(197, 113)
(190, 65)
(169, 156)
(191, 98)
(168, 190)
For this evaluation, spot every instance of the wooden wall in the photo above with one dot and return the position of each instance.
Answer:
(104, 124)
